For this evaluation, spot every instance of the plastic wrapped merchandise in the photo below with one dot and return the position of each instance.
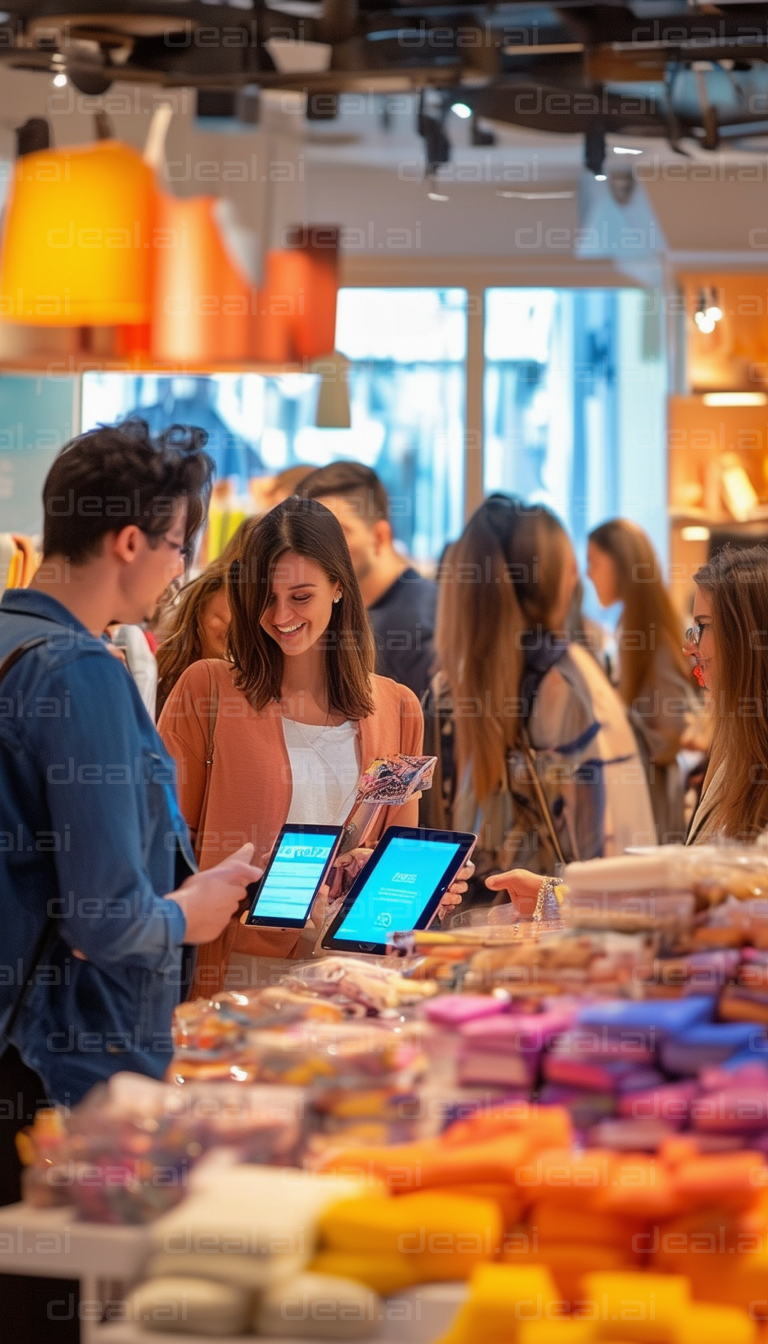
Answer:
(187, 1306)
(319, 1306)
(126, 1154)
(354, 983)
(633, 892)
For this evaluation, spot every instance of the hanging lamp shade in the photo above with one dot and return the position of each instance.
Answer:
(77, 240)
(296, 308)
(202, 298)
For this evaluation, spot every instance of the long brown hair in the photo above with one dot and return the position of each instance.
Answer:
(311, 531)
(649, 621)
(500, 582)
(183, 644)
(737, 583)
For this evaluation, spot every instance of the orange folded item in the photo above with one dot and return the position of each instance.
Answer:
(641, 1187)
(568, 1262)
(509, 1203)
(551, 1223)
(564, 1178)
(422, 1166)
(732, 1178)
(549, 1126)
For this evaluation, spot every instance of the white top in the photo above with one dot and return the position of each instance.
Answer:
(325, 769)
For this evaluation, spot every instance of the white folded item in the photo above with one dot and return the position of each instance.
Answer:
(668, 868)
(190, 1307)
(244, 1270)
(250, 1210)
(319, 1306)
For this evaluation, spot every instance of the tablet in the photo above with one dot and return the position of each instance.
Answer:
(297, 868)
(399, 888)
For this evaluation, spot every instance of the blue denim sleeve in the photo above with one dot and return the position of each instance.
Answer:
(114, 828)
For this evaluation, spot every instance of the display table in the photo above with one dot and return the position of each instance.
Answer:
(51, 1242)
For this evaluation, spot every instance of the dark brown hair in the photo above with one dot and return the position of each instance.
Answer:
(500, 580)
(737, 583)
(649, 620)
(311, 531)
(118, 475)
(354, 481)
(183, 645)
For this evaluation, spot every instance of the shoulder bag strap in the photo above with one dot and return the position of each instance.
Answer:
(213, 713)
(541, 797)
(47, 934)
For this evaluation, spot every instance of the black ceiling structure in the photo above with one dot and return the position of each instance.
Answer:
(643, 68)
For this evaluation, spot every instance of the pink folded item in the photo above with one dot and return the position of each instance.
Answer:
(479, 1067)
(671, 1102)
(525, 1033)
(453, 1010)
(735, 1110)
(715, 1079)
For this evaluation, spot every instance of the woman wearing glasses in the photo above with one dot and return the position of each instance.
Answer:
(652, 675)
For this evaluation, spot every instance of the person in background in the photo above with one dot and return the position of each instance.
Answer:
(401, 603)
(294, 718)
(197, 627)
(535, 752)
(268, 491)
(727, 647)
(132, 642)
(653, 677)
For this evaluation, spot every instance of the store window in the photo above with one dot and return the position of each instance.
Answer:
(406, 349)
(575, 397)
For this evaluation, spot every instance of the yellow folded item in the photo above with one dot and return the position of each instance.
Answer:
(500, 1298)
(384, 1272)
(413, 1224)
(557, 1330)
(710, 1323)
(631, 1306)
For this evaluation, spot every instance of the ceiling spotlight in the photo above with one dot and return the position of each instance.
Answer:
(537, 195)
(59, 80)
(461, 110)
(601, 177)
(437, 196)
(623, 149)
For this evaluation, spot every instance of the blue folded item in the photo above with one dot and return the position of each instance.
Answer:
(754, 1053)
(707, 1044)
(663, 1017)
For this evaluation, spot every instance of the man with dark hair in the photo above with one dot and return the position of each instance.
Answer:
(98, 888)
(401, 603)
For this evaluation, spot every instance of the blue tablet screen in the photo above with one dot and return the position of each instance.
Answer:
(294, 876)
(397, 890)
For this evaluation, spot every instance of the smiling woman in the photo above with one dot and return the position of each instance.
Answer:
(283, 731)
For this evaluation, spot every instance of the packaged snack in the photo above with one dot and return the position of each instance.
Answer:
(388, 781)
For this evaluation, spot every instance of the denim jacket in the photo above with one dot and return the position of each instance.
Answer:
(90, 835)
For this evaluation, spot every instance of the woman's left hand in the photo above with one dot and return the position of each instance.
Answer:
(457, 890)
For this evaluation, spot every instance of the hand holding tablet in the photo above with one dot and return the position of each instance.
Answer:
(399, 889)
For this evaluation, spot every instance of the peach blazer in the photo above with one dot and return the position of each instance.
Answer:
(251, 785)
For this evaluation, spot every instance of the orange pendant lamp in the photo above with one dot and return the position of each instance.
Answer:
(77, 241)
(296, 307)
(202, 299)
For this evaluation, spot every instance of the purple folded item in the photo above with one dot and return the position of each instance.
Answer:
(671, 1102)
(453, 1010)
(597, 1076)
(658, 1017)
(707, 1044)
(586, 1108)
(493, 1069)
(581, 1043)
(525, 1033)
(630, 1136)
(735, 1110)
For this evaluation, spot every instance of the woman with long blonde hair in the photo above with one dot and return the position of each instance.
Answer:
(728, 644)
(534, 749)
(653, 677)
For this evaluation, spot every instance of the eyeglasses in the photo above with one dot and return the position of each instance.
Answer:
(693, 636)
